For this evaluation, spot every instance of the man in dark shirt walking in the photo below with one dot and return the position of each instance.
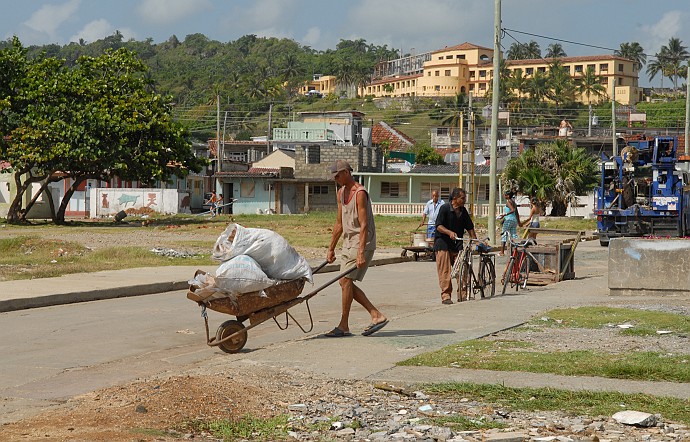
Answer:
(451, 223)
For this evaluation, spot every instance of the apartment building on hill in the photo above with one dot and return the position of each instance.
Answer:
(467, 67)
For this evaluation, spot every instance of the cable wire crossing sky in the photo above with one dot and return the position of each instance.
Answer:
(583, 27)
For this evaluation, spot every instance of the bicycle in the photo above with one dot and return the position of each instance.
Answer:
(517, 270)
(484, 281)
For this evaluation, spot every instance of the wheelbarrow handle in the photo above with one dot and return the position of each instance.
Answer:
(323, 264)
(341, 275)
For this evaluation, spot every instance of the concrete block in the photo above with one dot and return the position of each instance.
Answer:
(649, 266)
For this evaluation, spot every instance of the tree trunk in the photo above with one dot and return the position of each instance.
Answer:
(44, 188)
(558, 208)
(60, 216)
(16, 213)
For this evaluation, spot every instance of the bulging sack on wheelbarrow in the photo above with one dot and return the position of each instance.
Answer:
(241, 274)
(277, 258)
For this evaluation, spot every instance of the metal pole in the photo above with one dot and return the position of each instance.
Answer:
(687, 110)
(461, 146)
(215, 184)
(613, 118)
(494, 122)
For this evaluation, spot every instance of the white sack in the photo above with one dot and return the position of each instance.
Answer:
(273, 253)
(241, 274)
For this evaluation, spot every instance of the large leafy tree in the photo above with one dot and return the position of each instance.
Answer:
(552, 172)
(95, 120)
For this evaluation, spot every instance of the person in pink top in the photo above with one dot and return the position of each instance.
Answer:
(355, 223)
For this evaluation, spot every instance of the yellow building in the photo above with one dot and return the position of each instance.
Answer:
(323, 84)
(469, 68)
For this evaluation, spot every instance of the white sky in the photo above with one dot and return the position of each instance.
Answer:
(408, 25)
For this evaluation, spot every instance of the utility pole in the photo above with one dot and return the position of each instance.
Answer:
(268, 135)
(589, 127)
(687, 110)
(218, 158)
(462, 116)
(494, 122)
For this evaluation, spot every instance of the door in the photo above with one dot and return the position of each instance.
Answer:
(227, 198)
(288, 199)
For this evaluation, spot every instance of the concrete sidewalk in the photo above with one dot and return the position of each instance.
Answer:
(83, 287)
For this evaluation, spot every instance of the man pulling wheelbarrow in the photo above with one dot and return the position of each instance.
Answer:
(355, 222)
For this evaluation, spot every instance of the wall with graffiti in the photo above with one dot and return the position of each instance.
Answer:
(105, 202)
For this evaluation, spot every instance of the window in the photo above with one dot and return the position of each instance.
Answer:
(591, 66)
(449, 57)
(529, 71)
(442, 131)
(604, 81)
(471, 74)
(620, 82)
(318, 190)
(578, 68)
(247, 189)
(443, 191)
(393, 190)
(460, 56)
(437, 73)
(482, 74)
(313, 154)
(437, 88)
(482, 86)
(447, 72)
(541, 69)
(620, 67)
(604, 67)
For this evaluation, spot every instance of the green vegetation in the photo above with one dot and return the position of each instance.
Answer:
(519, 356)
(645, 323)
(508, 355)
(590, 403)
(245, 428)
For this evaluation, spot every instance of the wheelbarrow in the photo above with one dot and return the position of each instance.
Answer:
(257, 307)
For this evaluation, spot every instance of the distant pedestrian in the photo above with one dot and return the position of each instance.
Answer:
(431, 211)
(564, 128)
(511, 219)
(212, 203)
(219, 204)
(532, 220)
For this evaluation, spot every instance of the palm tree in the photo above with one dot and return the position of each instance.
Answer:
(674, 56)
(555, 50)
(538, 86)
(518, 83)
(516, 51)
(560, 83)
(632, 51)
(523, 51)
(657, 66)
(589, 84)
(345, 74)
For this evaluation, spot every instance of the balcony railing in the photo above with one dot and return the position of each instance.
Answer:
(415, 209)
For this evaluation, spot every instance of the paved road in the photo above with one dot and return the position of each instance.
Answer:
(53, 353)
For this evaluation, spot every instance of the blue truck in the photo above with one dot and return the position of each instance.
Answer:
(644, 191)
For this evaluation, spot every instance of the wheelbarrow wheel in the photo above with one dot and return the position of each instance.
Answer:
(226, 329)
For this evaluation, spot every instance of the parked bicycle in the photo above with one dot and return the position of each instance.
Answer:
(516, 273)
(484, 281)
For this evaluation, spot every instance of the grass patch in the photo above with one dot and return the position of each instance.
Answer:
(510, 356)
(590, 403)
(27, 257)
(246, 428)
(644, 322)
(458, 422)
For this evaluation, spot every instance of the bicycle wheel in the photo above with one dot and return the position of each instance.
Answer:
(464, 279)
(524, 272)
(474, 285)
(487, 277)
(507, 273)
